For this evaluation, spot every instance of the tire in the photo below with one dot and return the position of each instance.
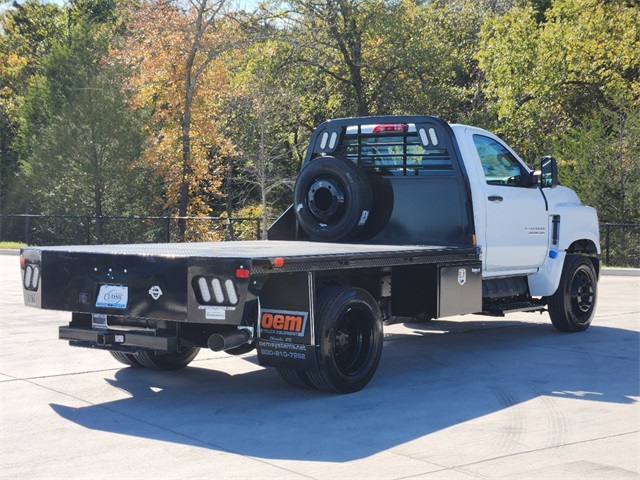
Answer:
(126, 358)
(572, 306)
(167, 361)
(349, 337)
(296, 378)
(333, 199)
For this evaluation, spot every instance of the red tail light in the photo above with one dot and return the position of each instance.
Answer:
(242, 273)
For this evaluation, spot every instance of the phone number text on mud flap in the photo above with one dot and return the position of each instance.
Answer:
(278, 350)
(277, 353)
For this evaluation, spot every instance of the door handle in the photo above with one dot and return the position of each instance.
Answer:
(495, 198)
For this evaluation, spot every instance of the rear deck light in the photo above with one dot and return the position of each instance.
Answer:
(423, 137)
(434, 137)
(323, 141)
(333, 140)
(390, 127)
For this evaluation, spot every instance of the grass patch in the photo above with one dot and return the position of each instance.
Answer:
(12, 245)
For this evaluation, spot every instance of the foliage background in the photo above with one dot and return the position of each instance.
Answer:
(176, 107)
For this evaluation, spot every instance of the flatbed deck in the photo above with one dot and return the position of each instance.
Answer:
(298, 255)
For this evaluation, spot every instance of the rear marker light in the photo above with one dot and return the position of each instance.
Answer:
(217, 290)
(278, 262)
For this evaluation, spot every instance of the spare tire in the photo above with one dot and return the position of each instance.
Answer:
(333, 199)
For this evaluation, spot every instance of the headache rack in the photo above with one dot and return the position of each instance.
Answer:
(398, 149)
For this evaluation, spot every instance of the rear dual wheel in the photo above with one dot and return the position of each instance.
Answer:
(349, 339)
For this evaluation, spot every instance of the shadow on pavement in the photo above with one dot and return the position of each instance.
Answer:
(428, 380)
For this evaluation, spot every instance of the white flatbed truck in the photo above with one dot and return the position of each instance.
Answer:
(393, 217)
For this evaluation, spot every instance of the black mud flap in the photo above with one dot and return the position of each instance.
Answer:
(285, 329)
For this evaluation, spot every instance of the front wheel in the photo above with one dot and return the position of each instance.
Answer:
(349, 337)
(573, 306)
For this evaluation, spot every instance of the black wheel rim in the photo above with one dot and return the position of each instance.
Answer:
(325, 199)
(352, 341)
(582, 294)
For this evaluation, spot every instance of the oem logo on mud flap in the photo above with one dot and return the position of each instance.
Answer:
(283, 322)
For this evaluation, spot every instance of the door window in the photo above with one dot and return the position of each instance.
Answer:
(499, 165)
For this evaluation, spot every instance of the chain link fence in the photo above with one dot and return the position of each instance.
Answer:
(87, 230)
(620, 242)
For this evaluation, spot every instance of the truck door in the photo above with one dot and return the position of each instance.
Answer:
(515, 214)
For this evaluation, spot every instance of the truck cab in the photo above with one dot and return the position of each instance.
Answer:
(416, 180)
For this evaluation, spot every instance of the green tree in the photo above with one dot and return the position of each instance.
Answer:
(373, 57)
(264, 129)
(433, 46)
(175, 51)
(27, 32)
(78, 139)
(601, 162)
(545, 78)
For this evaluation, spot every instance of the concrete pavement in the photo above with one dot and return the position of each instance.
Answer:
(468, 397)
